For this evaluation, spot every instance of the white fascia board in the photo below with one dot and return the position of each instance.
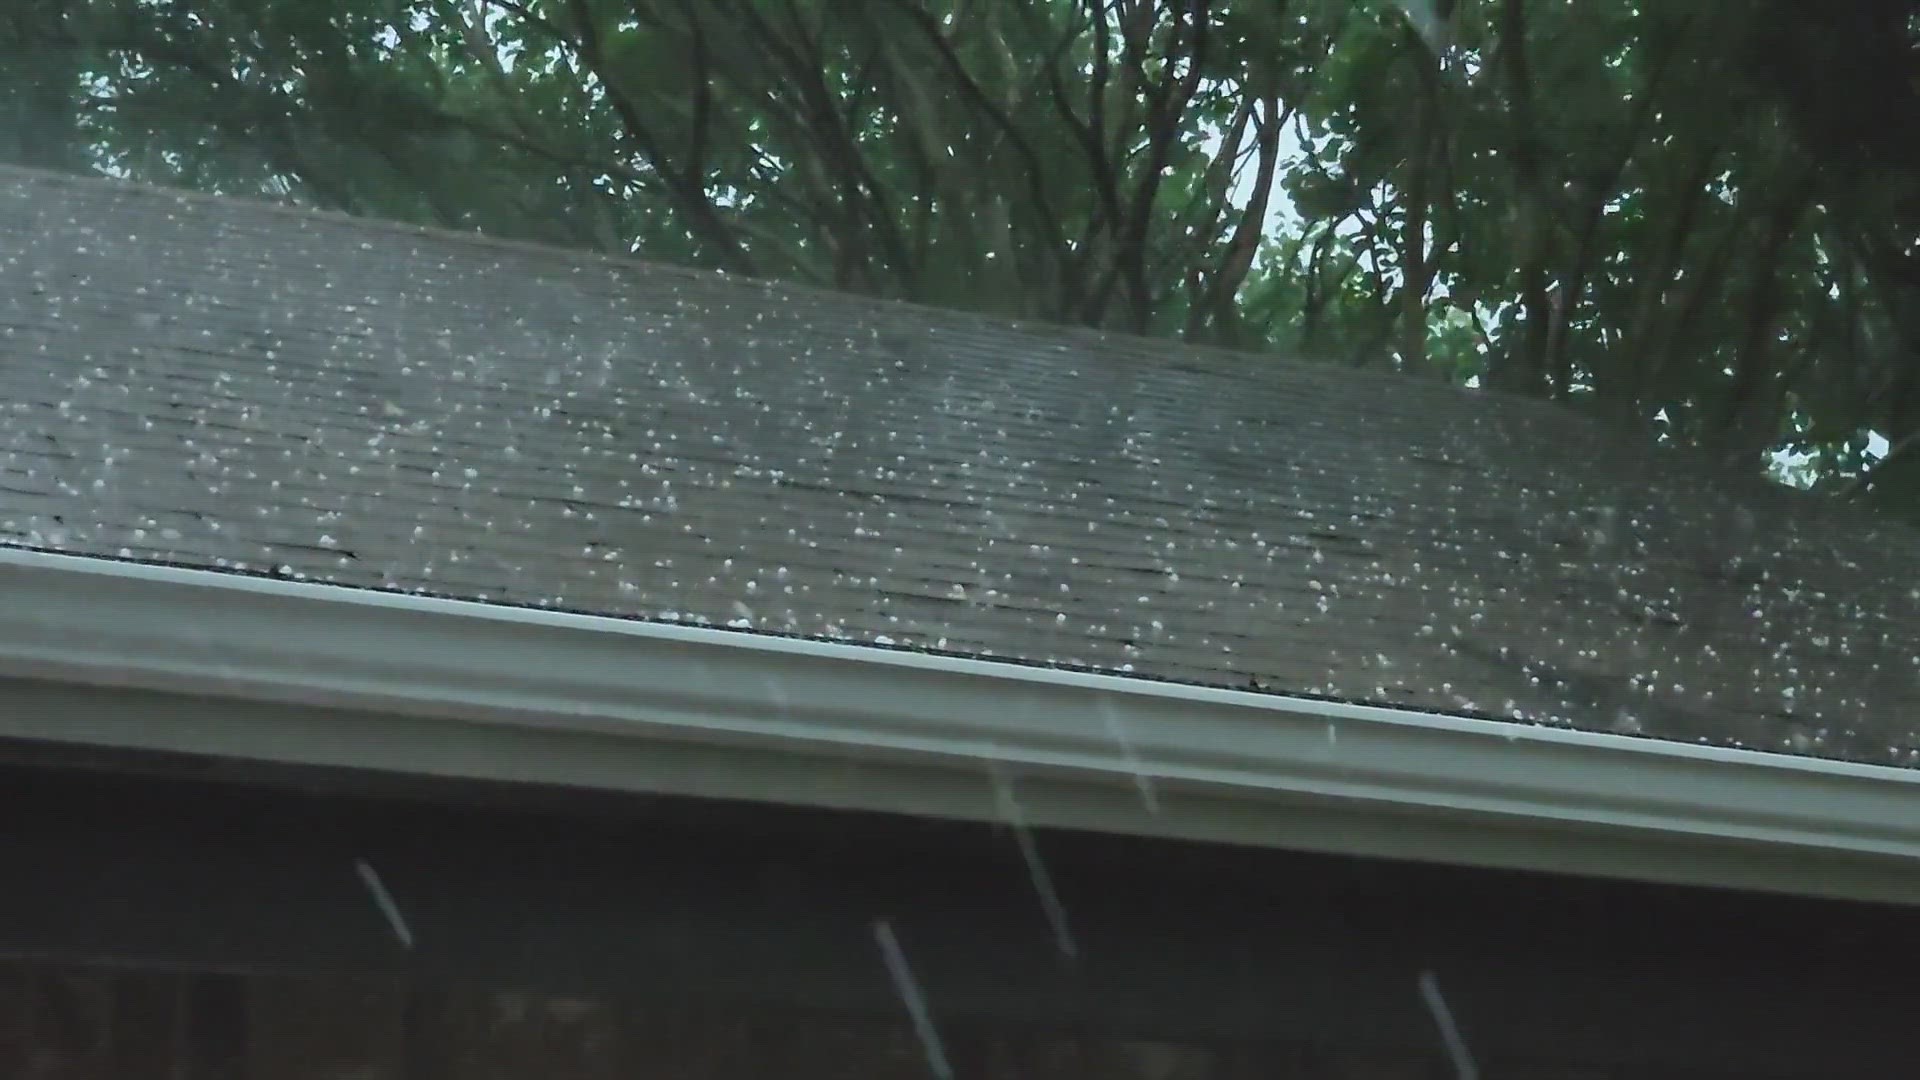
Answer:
(114, 654)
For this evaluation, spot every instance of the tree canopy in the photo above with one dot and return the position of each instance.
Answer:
(1698, 221)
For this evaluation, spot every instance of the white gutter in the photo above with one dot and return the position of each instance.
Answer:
(309, 674)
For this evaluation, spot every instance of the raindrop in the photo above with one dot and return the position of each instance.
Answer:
(1015, 816)
(385, 902)
(1141, 781)
(1463, 1066)
(916, 1002)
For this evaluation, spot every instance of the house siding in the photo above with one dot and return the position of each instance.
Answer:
(97, 1023)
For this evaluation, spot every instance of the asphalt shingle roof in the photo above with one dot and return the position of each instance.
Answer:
(240, 386)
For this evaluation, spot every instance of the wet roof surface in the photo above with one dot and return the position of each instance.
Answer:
(239, 386)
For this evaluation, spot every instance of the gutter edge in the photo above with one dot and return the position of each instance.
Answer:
(827, 723)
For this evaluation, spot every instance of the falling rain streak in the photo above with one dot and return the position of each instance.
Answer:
(1463, 1066)
(384, 900)
(1011, 812)
(1141, 781)
(916, 1002)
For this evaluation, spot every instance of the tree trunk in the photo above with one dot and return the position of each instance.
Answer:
(1749, 417)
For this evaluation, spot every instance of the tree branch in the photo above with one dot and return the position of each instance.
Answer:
(1523, 370)
(688, 193)
(1236, 262)
(956, 69)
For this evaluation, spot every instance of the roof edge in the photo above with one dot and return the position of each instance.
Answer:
(396, 682)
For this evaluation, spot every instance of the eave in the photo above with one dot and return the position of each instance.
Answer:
(137, 657)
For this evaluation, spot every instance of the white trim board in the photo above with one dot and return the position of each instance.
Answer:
(126, 655)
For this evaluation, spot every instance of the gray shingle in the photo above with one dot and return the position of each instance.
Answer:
(233, 385)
